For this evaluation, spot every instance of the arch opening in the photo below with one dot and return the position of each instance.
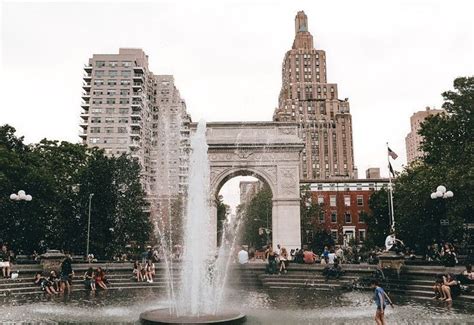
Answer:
(244, 197)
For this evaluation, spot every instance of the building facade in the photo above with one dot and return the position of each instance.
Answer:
(306, 97)
(127, 109)
(248, 190)
(343, 204)
(413, 139)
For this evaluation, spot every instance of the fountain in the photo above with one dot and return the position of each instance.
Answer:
(203, 272)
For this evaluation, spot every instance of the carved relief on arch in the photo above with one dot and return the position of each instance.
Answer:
(288, 180)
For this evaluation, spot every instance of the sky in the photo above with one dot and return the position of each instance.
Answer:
(390, 58)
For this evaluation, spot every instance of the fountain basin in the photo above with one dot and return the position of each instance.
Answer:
(162, 316)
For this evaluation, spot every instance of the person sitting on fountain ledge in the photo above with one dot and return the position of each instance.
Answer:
(392, 244)
(243, 256)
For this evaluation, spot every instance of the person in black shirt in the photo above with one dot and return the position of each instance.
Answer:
(66, 274)
(5, 261)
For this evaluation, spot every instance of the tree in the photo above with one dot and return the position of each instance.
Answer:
(222, 213)
(257, 215)
(312, 230)
(60, 176)
(378, 219)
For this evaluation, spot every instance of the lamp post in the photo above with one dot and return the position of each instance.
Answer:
(20, 196)
(441, 192)
(89, 225)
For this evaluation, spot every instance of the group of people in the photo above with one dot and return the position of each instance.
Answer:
(449, 286)
(445, 253)
(54, 283)
(144, 271)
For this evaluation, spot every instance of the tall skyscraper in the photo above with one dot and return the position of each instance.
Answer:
(307, 98)
(413, 139)
(129, 110)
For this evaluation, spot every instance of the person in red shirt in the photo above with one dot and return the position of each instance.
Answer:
(309, 257)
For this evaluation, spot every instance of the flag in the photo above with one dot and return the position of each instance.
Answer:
(392, 153)
(391, 169)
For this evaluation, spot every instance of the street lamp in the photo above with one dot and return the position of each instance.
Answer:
(21, 196)
(441, 192)
(89, 225)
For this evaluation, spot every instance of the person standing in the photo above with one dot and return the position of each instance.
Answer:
(5, 261)
(381, 300)
(66, 274)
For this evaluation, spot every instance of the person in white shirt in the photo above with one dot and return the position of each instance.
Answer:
(278, 250)
(331, 257)
(392, 243)
(243, 256)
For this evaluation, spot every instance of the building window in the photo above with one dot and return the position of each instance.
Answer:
(332, 200)
(110, 100)
(334, 234)
(347, 217)
(99, 73)
(360, 200)
(94, 140)
(361, 217)
(333, 217)
(320, 200)
(100, 64)
(95, 130)
(122, 130)
(109, 130)
(347, 200)
(112, 82)
(362, 235)
(321, 216)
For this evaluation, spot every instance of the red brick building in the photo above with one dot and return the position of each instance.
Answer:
(342, 203)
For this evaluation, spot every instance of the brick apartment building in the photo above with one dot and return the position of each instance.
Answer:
(343, 203)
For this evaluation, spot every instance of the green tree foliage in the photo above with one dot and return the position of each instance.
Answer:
(312, 230)
(378, 219)
(449, 160)
(222, 212)
(60, 176)
(255, 215)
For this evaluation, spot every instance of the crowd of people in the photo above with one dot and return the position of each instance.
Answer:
(54, 283)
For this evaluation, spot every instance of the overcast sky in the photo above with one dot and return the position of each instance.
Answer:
(390, 58)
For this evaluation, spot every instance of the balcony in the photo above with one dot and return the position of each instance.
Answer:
(86, 97)
(134, 144)
(138, 77)
(136, 115)
(88, 68)
(135, 134)
(135, 123)
(139, 69)
(86, 86)
(85, 106)
(84, 124)
(83, 134)
(87, 76)
(85, 116)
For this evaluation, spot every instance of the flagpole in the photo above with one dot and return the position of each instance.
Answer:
(390, 190)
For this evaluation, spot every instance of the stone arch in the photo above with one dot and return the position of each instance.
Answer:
(268, 151)
(223, 177)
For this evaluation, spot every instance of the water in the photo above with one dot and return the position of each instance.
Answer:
(204, 269)
(262, 306)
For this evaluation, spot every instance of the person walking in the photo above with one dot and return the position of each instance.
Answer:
(381, 300)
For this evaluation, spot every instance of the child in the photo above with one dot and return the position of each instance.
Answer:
(381, 299)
